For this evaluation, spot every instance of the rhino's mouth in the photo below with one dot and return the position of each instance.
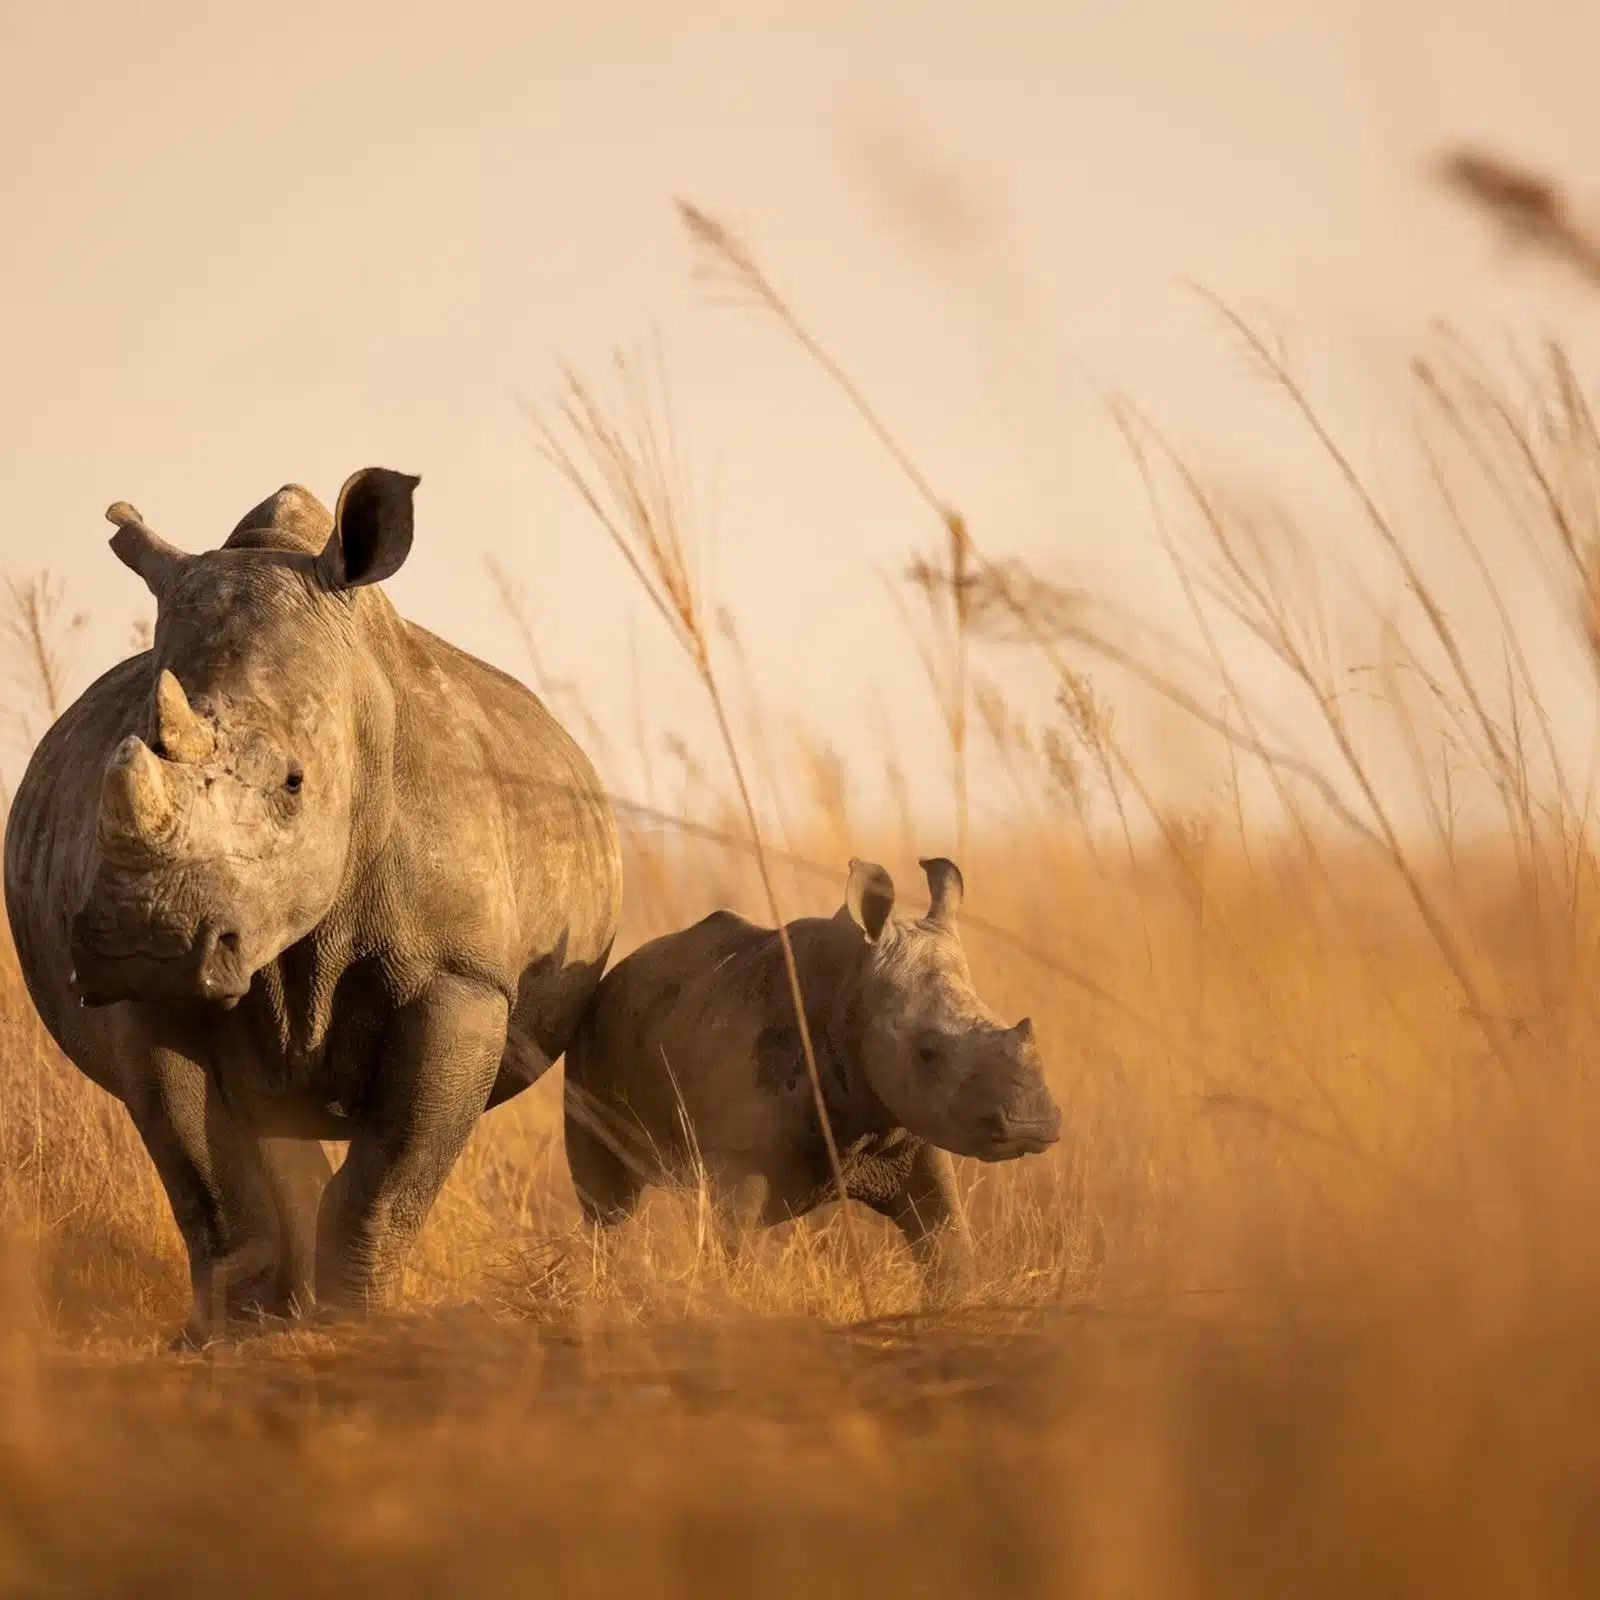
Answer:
(206, 966)
(1003, 1136)
(1024, 1142)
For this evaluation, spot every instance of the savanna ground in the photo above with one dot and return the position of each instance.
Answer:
(1305, 1303)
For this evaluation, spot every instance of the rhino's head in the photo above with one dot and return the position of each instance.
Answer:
(940, 1061)
(228, 823)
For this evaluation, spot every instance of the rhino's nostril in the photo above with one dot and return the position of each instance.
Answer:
(214, 944)
(220, 967)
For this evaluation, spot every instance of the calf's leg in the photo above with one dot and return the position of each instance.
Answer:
(606, 1175)
(926, 1208)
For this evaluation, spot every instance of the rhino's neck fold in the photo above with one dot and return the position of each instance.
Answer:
(297, 990)
(372, 783)
(831, 958)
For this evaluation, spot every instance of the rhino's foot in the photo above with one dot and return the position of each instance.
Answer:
(949, 1270)
(243, 1291)
(942, 1290)
(325, 1316)
(352, 1294)
(192, 1339)
(251, 1321)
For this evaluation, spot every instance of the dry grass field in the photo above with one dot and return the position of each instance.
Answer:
(1307, 1301)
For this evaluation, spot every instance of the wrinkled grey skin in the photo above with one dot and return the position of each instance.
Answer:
(305, 872)
(691, 1049)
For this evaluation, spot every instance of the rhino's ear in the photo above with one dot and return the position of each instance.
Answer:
(372, 528)
(136, 546)
(945, 890)
(869, 898)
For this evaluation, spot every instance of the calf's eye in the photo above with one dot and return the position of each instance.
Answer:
(296, 778)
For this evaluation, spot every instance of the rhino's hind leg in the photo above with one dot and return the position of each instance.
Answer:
(222, 1197)
(298, 1170)
(607, 1182)
(745, 1201)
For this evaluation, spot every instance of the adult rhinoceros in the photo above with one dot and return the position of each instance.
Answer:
(304, 871)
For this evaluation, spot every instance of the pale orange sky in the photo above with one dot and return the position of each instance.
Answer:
(252, 245)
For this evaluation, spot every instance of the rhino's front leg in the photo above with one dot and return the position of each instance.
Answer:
(441, 1053)
(222, 1195)
(927, 1210)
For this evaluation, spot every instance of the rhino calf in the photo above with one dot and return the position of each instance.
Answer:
(689, 1057)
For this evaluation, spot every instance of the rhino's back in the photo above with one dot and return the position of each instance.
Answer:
(50, 835)
(688, 1022)
(504, 811)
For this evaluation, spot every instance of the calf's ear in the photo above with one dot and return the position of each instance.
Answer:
(372, 528)
(945, 890)
(869, 898)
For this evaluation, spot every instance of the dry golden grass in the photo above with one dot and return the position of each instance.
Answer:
(1306, 1302)
(1308, 1305)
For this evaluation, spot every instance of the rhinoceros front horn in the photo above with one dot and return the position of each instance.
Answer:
(180, 735)
(136, 811)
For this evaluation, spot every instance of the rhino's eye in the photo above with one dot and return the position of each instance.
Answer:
(296, 778)
(927, 1053)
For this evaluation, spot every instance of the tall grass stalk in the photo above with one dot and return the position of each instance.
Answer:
(626, 471)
